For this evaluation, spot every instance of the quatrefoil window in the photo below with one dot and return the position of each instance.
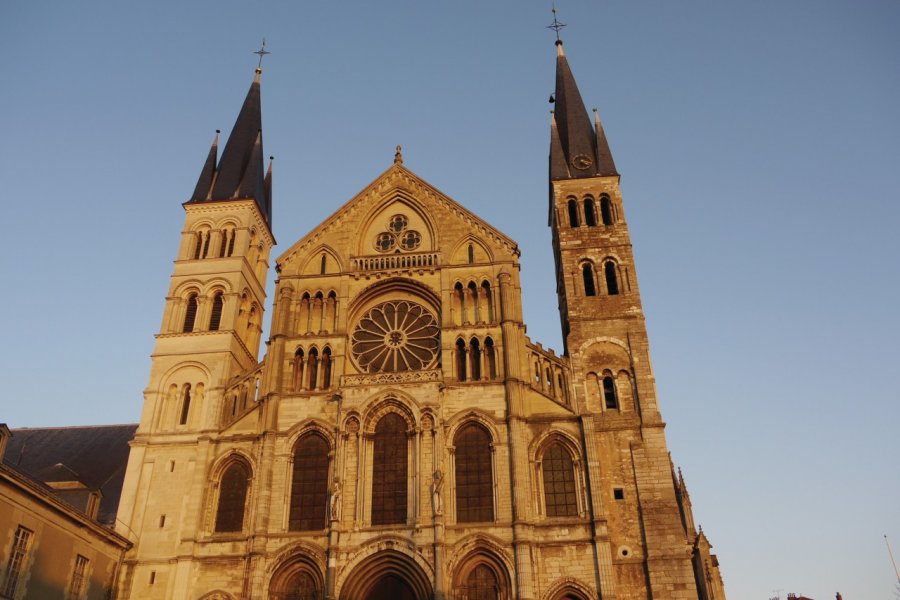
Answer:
(396, 336)
(398, 236)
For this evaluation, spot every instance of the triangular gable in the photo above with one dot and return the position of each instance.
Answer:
(397, 177)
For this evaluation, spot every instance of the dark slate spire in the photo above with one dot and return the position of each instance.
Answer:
(204, 184)
(241, 170)
(605, 164)
(582, 153)
(268, 188)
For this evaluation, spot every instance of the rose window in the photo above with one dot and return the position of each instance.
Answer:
(396, 336)
(397, 236)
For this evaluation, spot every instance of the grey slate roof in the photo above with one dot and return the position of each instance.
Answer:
(94, 455)
(574, 135)
(241, 170)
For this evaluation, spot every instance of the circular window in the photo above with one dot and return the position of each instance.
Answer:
(385, 242)
(410, 240)
(396, 336)
(398, 223)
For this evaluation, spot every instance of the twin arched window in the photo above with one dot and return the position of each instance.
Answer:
(233, 488)
(474, 475)
(215, 317)
(610, 278)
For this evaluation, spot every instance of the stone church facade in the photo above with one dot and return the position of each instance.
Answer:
(402, 437)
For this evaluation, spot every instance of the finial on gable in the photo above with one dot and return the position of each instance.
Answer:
(398, 156)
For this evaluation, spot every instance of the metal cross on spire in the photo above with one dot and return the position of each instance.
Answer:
(555, 25)
(261, 52)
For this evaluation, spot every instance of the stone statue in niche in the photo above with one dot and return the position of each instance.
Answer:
(335, 507)
(436, 485)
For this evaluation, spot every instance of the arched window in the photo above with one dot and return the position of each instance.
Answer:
(475, 359)
(312, 367)
(471, 254)
(231, 235)
(309, 484)
(587, 275)
(482, 584)
(487, 312)
(573, 213)
(198, 244)
(606, 210)
(490, 358)
(190, 315)
(590, 212)
(206, 236)
(185, 405)
(326, 368)
(298, 370)
(224, 243)
(389, 471)
(559, 482)
(612, 284)
(460, 360)
(215, 317)
(474, 475)
(232, 498)
(323, 265)
(460, 298)
(609, 393)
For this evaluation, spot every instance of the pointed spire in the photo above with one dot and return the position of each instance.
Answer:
(605, 164)
(241, 170)
(204, 183)
(268, 187)
(582, 153)
(558, 167)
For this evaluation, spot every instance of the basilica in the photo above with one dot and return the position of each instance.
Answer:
(402, 437)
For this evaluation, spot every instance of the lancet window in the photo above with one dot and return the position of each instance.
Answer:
(474, 474)
(558, 470)
(389, 472)
(309, 484)
(233, 488)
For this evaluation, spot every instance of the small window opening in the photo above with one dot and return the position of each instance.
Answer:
(471, 254)
(606, 211)
(326, 368)
(490, 358)
(231, 235)
(198, 244)
(587, 274)
(185, 405)
(206, 237)
(215, 317)
(460, 360)
(618, 493)
(323, 265)
(152, 577)
(612, 284)
(313, 368)
(190, 315)
(162, 521)
(475, 357)
(171, 466)
(573, 213)
(223, 245)
(590, 214)
(609, 393)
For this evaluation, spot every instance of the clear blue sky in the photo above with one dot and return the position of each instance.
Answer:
(758, 143)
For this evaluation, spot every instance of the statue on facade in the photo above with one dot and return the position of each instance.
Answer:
(436, 486)
(335, 506)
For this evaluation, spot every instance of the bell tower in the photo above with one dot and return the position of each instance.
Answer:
(640, 534)
(209, 336)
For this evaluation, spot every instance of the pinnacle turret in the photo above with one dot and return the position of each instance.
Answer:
(577, 149)
(240, 173)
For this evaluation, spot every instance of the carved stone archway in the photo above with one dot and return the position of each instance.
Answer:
(387, 575)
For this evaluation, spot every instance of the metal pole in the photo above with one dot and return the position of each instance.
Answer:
(891, 554)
